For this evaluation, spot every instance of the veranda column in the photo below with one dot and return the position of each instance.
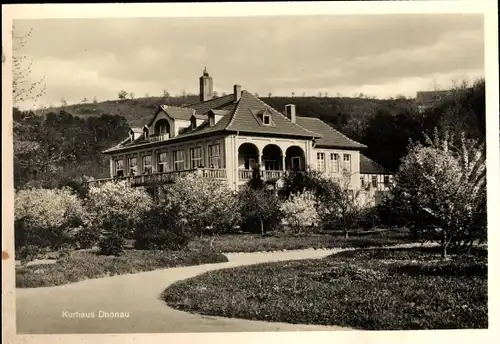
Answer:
(111, 167)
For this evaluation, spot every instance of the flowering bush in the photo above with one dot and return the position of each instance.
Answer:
(46, 218)
(202, 205)
(444, 187)
(116, 207)
(299, 210)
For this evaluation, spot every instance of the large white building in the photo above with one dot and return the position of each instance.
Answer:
(226, 137)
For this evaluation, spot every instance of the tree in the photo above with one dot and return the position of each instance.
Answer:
(63, 102)
(339, 204)
(269, 95)
(443, 187)
(132, 95)
(224, 94)
(300, 210)
(293, 94)
(205, 206)
(94, 100)
(216, 94)
(122, 94)
(256, 94)
(85, 101)
(165, 94)
(262, 205)
(146, 95)
(23, 88)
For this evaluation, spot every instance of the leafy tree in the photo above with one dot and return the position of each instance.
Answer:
(64, 102)
(165, 94)
(262, 205)
(297, 182)
(85, 101)
(300, 210)
(132, 95)
(443, 186)
(94, 100)
(339, 204)
(205, 206)
(122, 94)
(46, 218)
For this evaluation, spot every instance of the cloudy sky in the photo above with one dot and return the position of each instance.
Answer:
(378, 55)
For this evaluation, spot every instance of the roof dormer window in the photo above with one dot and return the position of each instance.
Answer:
(146, 132)
(266, 119)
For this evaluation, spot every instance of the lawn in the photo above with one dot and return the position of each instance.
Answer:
(82, 265)
(280, 242)
(372, 289)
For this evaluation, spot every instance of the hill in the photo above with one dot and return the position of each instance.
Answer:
(336, 111)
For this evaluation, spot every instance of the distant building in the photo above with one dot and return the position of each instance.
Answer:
(427, 99)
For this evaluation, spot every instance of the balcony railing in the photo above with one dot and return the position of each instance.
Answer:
(158, 138)
(162, 177)
(265, 174)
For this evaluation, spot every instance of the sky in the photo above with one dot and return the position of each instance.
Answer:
(378, 55)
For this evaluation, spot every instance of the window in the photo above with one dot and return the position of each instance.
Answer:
(362, 181)
(386, 181)
(271, 165)
(295, 163)
(119, 167)
(178, 160)
(195, 154)
(347, 162)
(374, 181)
(147, 165)
(334, 162)
(132, 166)
(321, 161)
(162, 162)
(249, 162)
(214, 159)
(266, 119)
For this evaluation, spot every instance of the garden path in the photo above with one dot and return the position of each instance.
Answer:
(42, 310)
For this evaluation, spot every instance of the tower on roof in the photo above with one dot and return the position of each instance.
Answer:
(206, 86)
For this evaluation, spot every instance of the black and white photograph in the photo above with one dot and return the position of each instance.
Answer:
(252, 173)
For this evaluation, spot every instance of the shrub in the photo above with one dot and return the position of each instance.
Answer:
(299, 181)
(299, 210)
(111, 245)
(160, 232)
(87, 237)
(46, 218)
(27, 253)
(205, 206)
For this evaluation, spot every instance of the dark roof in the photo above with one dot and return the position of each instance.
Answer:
(202, 108)
(244, 119)
(368, 166)
(240, 116)
(426, 97)
(329, 136)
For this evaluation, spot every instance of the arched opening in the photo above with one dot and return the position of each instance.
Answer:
(295, 159)
(272, 158)
(248, 159)
(162, 127)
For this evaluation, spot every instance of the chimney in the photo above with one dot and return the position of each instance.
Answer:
(290, 112)
(237, 92)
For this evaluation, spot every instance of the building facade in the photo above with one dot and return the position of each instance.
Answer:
(226, 137)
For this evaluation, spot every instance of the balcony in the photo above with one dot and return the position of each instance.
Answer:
(162, 177)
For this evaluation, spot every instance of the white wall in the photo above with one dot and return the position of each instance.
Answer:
(355, 180)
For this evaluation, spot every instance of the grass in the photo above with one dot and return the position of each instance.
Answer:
(82, 265)
(375, 289)
(258, 243)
